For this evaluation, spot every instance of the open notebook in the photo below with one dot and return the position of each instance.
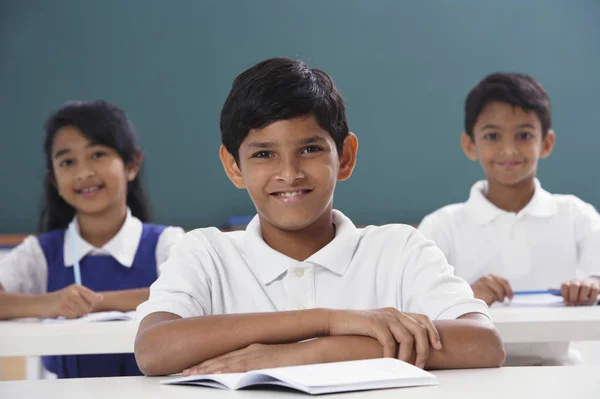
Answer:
(112, 315)
(355, 375)
(541, 300)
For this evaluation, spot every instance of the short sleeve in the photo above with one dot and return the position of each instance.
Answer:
(434, 229)
(183, 285)
(587, 236)
(428, 284)
(169, 237)
(24, 270)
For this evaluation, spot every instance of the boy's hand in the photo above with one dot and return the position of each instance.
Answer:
(492, 289)
(391, 328)
(580, 292)
(71, 302)
(257, 356)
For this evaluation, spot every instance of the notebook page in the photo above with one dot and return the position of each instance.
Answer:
(541, 300)
(225, 380)
(374, 372)
(112, 315)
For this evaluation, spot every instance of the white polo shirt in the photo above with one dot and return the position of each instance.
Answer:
(210, 272)
(25, 270)
(555, 238)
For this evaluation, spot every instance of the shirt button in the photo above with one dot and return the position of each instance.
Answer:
(299, 272)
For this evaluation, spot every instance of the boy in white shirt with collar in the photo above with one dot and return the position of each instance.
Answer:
(232, 302)
(511, 234)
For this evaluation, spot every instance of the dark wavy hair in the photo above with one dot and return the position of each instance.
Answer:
(102, 123)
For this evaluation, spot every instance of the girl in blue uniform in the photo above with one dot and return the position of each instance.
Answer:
(94, 224)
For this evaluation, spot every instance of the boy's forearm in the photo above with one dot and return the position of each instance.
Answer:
(167, 344)
(470, 341)
(14, 306)
(343, 348)
(123, 301)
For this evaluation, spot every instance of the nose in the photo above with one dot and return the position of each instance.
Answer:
(290, 170)
(84, 171)
(509, 148)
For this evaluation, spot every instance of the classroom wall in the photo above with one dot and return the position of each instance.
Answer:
(404, 68)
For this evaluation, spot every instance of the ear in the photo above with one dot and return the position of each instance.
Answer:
(348, 158)
(548, 144)
(133, 167)
(468, 146)
(231, 168)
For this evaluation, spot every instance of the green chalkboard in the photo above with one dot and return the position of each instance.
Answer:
(404, 68)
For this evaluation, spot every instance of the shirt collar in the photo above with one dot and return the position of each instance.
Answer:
(482, 211)
(270, 264)
(123, 246)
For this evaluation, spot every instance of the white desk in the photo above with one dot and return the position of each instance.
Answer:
(32, 338)
(524, 382)
(552, 324)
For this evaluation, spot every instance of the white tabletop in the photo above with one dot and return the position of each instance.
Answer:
(580, 382)
(33, 338)
(551, 324)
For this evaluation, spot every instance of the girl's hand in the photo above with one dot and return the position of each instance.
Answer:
(70, 302)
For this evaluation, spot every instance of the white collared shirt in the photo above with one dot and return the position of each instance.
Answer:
(555, 238)
(210, 272)
(25, 270)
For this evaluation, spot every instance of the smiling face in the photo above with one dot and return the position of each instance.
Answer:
(290, 169)
(508, 142)
(91, 178)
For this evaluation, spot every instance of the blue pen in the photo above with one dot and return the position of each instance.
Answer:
(540, 292)
(76, 269)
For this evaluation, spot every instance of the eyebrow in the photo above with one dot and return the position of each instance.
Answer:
(64, 151)
(529, 125)
(312, 140)
(268, 144)
(490, 126)
(261, 144)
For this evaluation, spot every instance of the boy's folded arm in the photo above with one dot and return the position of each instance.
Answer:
(167, 344)
(470, 341)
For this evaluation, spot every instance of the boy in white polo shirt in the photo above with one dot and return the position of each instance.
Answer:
(512, 235)
(232, 302)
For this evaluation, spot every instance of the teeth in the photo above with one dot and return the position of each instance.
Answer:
(89, 189)
(290, 194)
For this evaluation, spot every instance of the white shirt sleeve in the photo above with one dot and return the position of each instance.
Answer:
(587, 236)
(169, 237)
(24, 270)
(183, 287)
(433, 227)
(428, 284)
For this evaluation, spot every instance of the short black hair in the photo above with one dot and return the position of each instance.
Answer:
(516, 89)
(102, 123)
(279, 89)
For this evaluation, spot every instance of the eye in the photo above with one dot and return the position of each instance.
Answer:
(525, 136)
(98, 154)
(491, 136)
(65, 163)
(311, 149)
(262, 154)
